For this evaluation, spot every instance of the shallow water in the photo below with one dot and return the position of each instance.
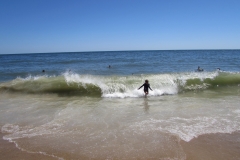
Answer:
(115, 128)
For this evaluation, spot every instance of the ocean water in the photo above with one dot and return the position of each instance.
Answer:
(80, 108)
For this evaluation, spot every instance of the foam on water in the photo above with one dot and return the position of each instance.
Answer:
(208, 116)
(126, 86)
(70, 83)
(187, 129)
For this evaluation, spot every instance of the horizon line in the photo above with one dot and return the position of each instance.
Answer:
(115, 51)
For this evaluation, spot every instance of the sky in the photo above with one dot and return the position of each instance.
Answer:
(39, 26)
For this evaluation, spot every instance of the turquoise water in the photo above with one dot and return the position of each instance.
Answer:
(79, 108)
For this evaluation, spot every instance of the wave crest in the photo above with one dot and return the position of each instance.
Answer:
(73, 84)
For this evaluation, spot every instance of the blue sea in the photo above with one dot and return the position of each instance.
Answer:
(86, 105)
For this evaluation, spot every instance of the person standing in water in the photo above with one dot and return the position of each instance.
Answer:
(146, 85)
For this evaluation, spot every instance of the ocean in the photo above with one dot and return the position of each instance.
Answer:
(86, 105)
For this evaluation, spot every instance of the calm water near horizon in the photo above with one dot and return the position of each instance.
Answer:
(122, 62)
(80, 108)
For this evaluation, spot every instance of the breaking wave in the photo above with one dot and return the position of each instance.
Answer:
(73, 84)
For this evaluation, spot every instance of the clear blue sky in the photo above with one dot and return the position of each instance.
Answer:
(29, 26)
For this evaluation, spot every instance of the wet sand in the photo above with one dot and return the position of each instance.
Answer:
(8, 151)
(208, 147)
(217, 146)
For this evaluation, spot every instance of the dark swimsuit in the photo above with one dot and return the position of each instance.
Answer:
(146, 86)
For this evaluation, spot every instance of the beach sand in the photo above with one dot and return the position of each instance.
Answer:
(208, 147)
(217, 146)
(9, 151)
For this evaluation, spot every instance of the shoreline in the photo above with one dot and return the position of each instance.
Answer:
(9, 151)
(219, 146)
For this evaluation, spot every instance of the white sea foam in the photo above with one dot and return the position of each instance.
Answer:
(36, 77)
(111, 86)
(10, 128)
(122, 86)
(187, 129)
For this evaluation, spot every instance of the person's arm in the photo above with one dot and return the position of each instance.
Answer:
(141, 86)
(149, 87)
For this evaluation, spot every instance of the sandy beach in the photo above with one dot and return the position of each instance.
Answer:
(9, 151)
(213, 147)
(208, 147)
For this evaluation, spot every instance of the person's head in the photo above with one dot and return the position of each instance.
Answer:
(146, 81)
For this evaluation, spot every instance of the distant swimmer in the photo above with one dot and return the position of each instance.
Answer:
(43, 71)
(199, 69)
(146, 85)
(109, 66)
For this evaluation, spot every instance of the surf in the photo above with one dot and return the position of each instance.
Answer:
(117, 86)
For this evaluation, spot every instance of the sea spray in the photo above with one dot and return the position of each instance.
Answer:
(74, 84)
